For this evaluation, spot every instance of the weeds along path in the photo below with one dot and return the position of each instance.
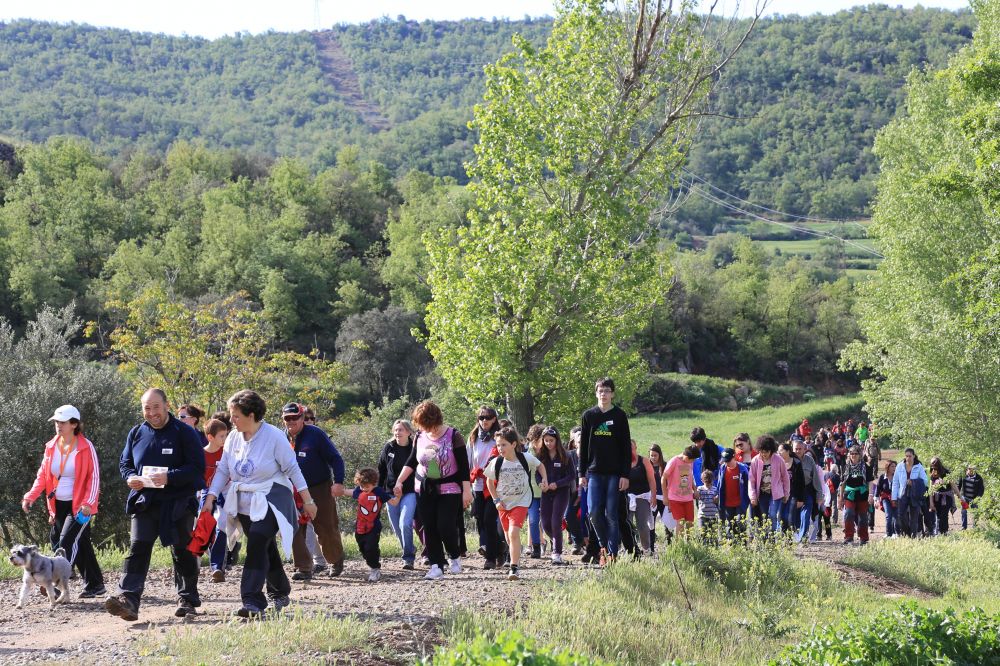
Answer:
(406, 612)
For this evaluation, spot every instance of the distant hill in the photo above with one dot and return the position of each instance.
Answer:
(812, 91)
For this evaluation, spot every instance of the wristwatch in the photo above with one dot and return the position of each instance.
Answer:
(311, 502)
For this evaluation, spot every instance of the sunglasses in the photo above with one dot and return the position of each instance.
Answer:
(183, 416)
(289, 419)
(486, 417)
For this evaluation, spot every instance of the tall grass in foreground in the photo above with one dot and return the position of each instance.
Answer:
(745, 605)
(964, 567)
(672, 430)
(291, 638)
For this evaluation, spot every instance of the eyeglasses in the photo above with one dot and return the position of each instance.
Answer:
(290, 418)
(183, 416)
(486, 417)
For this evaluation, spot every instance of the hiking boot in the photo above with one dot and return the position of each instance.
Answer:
(319, 568)
(536, 551)
(512, 573)
(407, 565)
(250, 613)
(184, 608)
(301, 575)
(489, 564)
(336, 569)
(219, 576)
(123, 607)
(280, 603)
(91, 594)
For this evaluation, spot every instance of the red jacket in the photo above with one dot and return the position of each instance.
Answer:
(86, 478)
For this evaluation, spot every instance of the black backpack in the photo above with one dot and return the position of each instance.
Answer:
(524, 463)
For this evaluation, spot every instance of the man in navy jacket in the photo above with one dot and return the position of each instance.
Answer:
(162, 503)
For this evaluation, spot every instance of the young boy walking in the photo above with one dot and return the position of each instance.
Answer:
(368, 528)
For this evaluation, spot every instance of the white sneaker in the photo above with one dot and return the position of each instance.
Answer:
(434, 573)
(374, 575)
(456, 565)
(557, 558)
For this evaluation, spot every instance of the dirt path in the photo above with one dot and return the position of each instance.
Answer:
(408, 611)
(340, 73)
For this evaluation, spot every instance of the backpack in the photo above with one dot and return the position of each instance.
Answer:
(524, 463)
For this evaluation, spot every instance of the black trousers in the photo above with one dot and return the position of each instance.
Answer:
(368, 545)
(263, 563)
(626, 530)
(485, 512)
(145, 531)
(441, 516)
(74, 538)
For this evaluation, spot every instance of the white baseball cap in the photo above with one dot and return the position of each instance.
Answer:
(65, 413)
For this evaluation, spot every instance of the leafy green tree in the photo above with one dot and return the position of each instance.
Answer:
(205, 353)
(930, 319)
(557, 271)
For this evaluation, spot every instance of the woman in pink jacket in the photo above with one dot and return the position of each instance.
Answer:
(71, 480)
(769, 484)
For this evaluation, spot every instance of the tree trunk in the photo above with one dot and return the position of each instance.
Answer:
(521, 410)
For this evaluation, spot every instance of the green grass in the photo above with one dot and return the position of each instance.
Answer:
(671, 430)
(292, 638)
(963, 567)
(813, 246)
(858, 274)
(745, 605)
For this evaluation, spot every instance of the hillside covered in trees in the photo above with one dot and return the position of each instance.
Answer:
(807, 95)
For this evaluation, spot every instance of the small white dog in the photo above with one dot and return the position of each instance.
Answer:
(46, 572)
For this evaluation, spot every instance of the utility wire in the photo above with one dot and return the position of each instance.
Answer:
(765, 208)
(695, 188)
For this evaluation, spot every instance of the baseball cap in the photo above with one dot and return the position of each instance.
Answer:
(728, 455)
(65, 413)
(292, 409)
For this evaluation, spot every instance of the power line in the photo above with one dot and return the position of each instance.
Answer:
(694, 188)
(765, 208)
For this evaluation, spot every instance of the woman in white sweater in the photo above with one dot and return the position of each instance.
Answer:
(257, 471)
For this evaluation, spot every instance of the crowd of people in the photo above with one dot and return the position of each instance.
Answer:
(204, 484)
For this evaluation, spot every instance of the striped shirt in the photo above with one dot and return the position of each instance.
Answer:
(708, 502)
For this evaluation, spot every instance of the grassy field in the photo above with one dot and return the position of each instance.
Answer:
(812, 246)
(671, 430)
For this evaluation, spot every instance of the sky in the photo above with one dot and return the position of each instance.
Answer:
(213, 18)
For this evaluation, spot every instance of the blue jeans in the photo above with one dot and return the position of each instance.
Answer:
(805, 515)
(401, 518)
(534, 521)
(965, 515)
(602, 505)
(890, 517)
(774, 510)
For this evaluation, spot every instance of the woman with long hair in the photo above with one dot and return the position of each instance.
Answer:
(768, 485)
(560, 474)
(943, 493)
(391, 462)
(883, 491)
(909, 485)
(482, 446)
(533, 445)
(657, 506)
(641, 487)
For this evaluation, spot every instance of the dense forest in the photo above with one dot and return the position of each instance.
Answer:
(802, 102)
(300, 175)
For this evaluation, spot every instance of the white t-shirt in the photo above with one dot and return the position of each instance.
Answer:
(513, 486)
(64, 491)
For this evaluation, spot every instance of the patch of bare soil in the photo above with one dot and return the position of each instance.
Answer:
(408, 611)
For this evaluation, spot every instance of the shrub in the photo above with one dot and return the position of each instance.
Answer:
(38, 372)
(509, 647)
(906, 635)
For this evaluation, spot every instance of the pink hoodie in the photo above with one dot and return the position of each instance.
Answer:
(780, 483)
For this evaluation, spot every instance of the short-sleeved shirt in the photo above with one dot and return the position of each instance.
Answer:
(370, 509)
(513, 486)
(680, 486)
(731, 477)
(211, 462)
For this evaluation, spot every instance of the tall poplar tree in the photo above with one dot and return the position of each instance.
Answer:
(557, 271)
